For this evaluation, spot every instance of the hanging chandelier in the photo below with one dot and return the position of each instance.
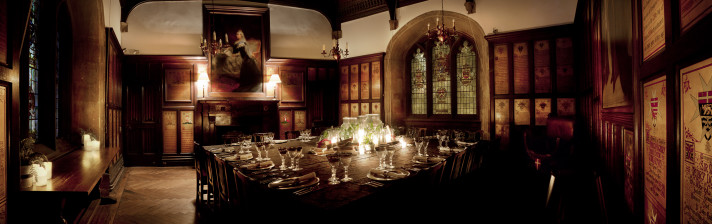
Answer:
(336, 52)
(441, 33)
(216, 45)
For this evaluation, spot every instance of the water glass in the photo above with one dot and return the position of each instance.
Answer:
(334, 160)
(298, 155)
(265, 151)
(346, 161)
(381, 153)
(292, 152)
(390, 151)
(258, 146)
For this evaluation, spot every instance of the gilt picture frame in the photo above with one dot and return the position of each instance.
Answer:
(237, 68)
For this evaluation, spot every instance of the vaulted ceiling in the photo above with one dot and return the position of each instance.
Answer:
(336, 11)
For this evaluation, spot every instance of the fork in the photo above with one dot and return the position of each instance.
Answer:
(304, 191)
(374, 184)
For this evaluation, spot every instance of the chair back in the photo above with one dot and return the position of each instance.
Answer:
(560, 132)
(224, 192)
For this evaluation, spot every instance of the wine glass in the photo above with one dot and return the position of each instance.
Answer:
(298, 155)
(381, 153)
(390, 151)
(258, 146)
(282, 154)
(292, 152)
(246, 142)
(334, 160)
(424, 146)
(265, 151)
(346, 161)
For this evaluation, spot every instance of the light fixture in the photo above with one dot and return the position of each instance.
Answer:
(215, 45)
(441, 33)
(203, 81)
(336, 52)
(273, 81)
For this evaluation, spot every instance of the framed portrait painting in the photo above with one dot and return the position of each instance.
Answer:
(236, 69)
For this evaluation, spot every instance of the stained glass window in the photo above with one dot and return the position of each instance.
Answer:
(466, 78)
(33, 69)
(441, 79)
(418, 85)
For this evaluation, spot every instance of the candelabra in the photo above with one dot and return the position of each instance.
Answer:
(441, 33)
(336, 52)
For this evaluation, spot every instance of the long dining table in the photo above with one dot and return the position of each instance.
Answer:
(358, 194)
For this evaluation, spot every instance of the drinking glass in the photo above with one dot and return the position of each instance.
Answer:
(282, 154)
(258, 146)
(334, 160)
(425, 141)
(265, 151)
(292, 152)
(390, 151)
(381, 153)
(298, 155)
(246, 142)
(346, 161)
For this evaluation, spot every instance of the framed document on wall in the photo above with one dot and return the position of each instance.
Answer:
(696, 152)
(292, 86)
(178, 86)
(655, 149)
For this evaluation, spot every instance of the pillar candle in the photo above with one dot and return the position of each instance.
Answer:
(41, 178)
(86, 139)
(48, 168)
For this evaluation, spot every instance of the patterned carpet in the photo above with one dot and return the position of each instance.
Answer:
(158, 195)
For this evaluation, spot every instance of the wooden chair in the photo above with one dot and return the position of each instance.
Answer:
(224, 195)
(201, 176)
(291, 134)
(212, 182)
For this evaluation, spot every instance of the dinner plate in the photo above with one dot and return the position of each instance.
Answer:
(399, 171)
(234, 158)
(279, 141)
(263, 168)
(310, 183)
(428, 162)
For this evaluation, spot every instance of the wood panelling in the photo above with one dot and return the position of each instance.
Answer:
(144, 78)
(365, 70)
(317, 104)
(535, 93)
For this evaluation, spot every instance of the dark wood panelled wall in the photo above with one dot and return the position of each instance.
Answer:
(151, 131)
(361, 86)
(305, 94)
(633, 120)
(532, 76)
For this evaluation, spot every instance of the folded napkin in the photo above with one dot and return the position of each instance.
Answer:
(258, 165)
(387, 174)
(321, 152)
(423, 159)
(245, 156)
(293, 181)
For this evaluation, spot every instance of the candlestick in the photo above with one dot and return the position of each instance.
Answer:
(323, 47)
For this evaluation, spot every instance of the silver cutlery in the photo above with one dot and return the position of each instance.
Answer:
(374, 184)
(306, 190)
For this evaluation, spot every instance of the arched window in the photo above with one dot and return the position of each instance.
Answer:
(449, 89)
(33, 62)
(48, 56)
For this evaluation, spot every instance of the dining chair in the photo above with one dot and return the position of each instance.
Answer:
(242, 189)
(212, 180)
(201, 175)
(291, 134)
(222, 182)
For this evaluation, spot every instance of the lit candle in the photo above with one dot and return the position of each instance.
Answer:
(41, 175)
(347, 45)
(453, 22)
(48, 168)
(334, 42)
(86, 139)
(428, 26)
(323, 47)
(214, 36)
(437, 21)
(201, 39)
(226, 40)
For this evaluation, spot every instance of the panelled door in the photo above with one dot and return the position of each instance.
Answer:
(142, 111)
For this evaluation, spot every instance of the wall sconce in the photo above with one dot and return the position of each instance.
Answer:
(203, 81)
(273, 81)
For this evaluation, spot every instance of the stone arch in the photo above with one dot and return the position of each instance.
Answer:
(403, 40)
